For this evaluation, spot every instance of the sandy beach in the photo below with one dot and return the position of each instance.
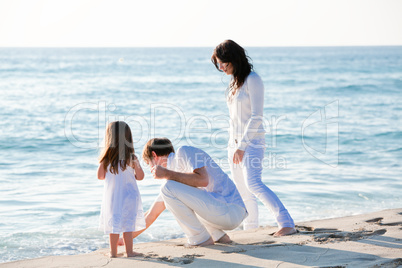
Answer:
(369, 240)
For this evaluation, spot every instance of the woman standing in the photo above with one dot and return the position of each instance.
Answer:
(245, 99)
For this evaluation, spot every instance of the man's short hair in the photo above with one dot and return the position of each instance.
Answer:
(161, 147)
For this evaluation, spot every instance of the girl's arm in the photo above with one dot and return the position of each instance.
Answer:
(101, 172)
(151, 215)
(139, 173)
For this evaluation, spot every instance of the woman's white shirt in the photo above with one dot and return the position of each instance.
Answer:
(246, 111)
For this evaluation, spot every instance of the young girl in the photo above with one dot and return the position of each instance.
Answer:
(245, 99)
(121, 210)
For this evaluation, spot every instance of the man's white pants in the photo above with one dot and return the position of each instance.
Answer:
(199, 214)
(247, 177)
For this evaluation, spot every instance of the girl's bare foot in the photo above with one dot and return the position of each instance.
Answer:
(285, 231)
(134, 254)
(120, 242)
(224, 240)
(209, 242)
(115, 256)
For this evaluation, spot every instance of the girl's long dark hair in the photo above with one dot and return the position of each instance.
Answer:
(118, 147)
(230, 52)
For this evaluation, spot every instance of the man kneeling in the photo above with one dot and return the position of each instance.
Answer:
(200, 195)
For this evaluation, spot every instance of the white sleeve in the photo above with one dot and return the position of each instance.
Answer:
(190, 158)
(159, 198)
(255, 89)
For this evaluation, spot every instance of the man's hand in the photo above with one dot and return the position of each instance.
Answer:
(151, 215)
(159, 172)
(238, 156)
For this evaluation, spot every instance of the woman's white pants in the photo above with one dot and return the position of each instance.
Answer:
(199, 214)
(247, 177)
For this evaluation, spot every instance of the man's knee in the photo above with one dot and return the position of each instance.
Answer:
(169, 188)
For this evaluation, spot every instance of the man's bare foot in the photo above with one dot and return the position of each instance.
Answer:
(209, 242)
(134, 254)
(224, 240)
(120, 242)
(285, 231)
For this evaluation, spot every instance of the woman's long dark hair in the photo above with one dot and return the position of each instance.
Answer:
(230, 52)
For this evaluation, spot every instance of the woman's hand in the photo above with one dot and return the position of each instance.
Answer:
(238, 156)
(159, 172)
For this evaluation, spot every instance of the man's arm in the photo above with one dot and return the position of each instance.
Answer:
(151, 215)
(199, 177)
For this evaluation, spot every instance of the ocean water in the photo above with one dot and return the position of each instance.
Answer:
(332, 115)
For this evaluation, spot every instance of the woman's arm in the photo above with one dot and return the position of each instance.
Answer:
(151, 215)
(256, 93)
(101, 172)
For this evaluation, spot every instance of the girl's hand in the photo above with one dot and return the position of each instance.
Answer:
(135, 164)
(238, 156)
(159, 172)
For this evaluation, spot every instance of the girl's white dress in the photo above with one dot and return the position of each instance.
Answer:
(121, 209)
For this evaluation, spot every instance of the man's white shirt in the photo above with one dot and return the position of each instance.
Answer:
(220, 186)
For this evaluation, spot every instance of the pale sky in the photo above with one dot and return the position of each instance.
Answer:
(119, 23)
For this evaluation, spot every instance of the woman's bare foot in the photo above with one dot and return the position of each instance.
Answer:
(209, 242)
(224, 240)
(120, 242)
(134, 254)
(285, 231)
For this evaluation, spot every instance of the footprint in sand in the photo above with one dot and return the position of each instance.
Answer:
(262, 243)
(375, 220)
(237, 250)
(185, 259)
(312, 230)
(392, 263)
(346, 236)
(378, 221)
